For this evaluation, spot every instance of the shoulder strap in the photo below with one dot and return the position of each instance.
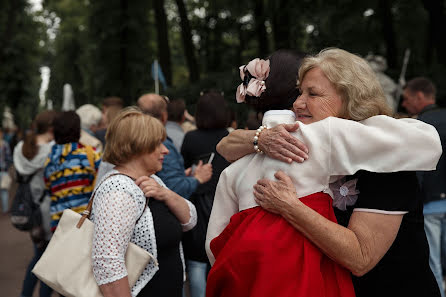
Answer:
(87, 211)
(21, 179)
(90, 157)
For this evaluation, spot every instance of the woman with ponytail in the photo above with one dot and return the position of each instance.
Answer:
(29, 159)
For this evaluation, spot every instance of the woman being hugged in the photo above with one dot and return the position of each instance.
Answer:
(343, 135)
(122, 213)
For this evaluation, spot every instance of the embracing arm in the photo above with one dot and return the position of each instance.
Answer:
(381, 144)
(276, 143)
(358, 248)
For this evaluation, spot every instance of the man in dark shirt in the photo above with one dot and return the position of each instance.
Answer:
(419, 99)
(180, 180)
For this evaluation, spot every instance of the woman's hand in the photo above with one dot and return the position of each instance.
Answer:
(276, 196)
(152, 189)
(278, 143)
(176, 204)
(358, 248)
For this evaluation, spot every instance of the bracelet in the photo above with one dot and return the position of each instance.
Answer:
(256, 139)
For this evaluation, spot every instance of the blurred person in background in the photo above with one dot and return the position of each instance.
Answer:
(199, 145)
(419, 99)
(5, 179)
(29, 161)
(68, 174)
(110, 108)
(175, 118)
(180, 180)
(90, 117)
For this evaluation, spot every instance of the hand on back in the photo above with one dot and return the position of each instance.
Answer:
(278, 143)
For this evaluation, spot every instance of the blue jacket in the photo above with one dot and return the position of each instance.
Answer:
(173, 174)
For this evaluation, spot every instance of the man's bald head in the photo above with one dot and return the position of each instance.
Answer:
(155, 105)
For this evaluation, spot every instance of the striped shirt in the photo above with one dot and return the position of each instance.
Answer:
(68, 178)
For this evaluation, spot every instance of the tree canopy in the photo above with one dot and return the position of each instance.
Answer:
(107, 48)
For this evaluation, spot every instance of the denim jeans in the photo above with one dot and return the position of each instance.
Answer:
(4, 195)
(197, 273)
(30, 281)
(435, 228)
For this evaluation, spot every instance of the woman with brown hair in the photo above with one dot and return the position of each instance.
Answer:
(29, 161)
(122, 213)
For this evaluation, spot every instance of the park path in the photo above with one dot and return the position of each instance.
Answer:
(16, 251)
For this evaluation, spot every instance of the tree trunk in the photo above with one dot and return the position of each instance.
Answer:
(189, 49)
(241, 45)
(10, 24)
(385, 14)
(437, 23)
(262, 39)
(123, 44)
(281, 24)
(163, 40)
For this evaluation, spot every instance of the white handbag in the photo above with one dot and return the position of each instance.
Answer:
(66, 264)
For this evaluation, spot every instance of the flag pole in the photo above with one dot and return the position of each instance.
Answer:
(157, 86)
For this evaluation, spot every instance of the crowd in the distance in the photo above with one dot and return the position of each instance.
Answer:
(328, 194)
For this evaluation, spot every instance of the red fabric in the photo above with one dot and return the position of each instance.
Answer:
(261, 254)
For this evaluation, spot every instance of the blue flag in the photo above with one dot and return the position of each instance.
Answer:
(161, 78)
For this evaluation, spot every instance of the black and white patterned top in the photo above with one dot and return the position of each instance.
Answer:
(120, 216)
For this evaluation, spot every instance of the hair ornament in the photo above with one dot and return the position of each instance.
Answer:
(253, 76)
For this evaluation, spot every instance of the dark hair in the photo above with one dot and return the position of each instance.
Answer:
(67, 127)
(421, 84)
(175, 110)
(113, 101)
(211, 112)
(281, 83)
(41, 124)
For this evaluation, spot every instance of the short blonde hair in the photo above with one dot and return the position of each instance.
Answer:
(132, 133)
(355, 81)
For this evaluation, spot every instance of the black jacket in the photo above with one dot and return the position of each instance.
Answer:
(433, 183)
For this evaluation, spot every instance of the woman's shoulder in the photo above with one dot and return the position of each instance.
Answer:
(115, 182)
(387, 191)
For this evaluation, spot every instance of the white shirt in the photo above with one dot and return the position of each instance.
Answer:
(337, 147)
(120, 216)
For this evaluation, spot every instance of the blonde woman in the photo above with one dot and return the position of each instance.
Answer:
(334, 86)
(122, 213)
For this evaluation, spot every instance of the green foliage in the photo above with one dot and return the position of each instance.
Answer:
(20, 55)
(106, 48)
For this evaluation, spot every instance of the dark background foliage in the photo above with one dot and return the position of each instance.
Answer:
(105, 48)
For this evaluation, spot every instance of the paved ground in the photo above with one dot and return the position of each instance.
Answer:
(16, 250)
(15, 254)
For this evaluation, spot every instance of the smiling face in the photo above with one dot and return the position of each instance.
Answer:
(318, 98)
(154, 161)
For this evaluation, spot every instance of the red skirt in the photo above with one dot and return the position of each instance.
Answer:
(261, 254)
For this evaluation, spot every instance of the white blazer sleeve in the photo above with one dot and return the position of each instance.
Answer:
(224, 207)
(382, 144)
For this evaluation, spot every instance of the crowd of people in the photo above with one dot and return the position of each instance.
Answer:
(327, 195)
